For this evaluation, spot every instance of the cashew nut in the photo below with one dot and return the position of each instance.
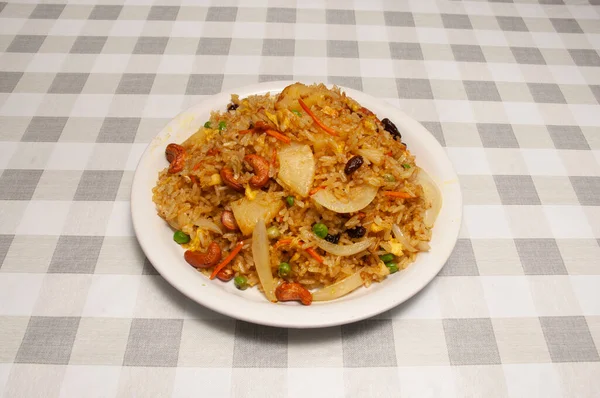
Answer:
(229, 179)
(226, 274)
(293, 292)
(260, 167)
(204, 260)
(176, 157)
(228, 220)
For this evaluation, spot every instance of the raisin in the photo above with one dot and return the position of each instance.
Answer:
(353, 164)
(391, 128)
(356, 232)
(333, 238)
(232, 107)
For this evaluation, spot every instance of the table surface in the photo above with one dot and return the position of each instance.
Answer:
(511, 90)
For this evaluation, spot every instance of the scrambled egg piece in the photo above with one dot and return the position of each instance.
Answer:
(215, 179)
(396, 247)
(250, 193)
(272, 118)
(329, 111)
(194, 244)
(376, 228)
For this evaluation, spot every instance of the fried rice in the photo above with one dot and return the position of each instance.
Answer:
(329, 162)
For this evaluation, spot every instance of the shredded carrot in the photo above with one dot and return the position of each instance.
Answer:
(401, 195)
(260, 126)
(228, 259)
(197, 166)
(366, 111)
(314, 255)
(282, 242)
(361, 215)
(316, 119)
(390, 153)
(315, 190)
(212, 151)
(249, 131)
(278, 135)
(274, 157)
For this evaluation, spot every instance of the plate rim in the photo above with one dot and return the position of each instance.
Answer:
(292, 312)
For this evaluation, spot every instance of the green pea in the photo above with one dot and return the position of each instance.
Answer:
(207, 125)
(389, 178)
(290, 201)
(284, 269)
(386, 258)
(181, 237)
(222, 126)
(406, 165)
(241, 282)
(320, 230)
(273, 232)
(392, 267)
(297, 112)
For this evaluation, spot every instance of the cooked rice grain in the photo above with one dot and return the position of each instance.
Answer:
(197, 192)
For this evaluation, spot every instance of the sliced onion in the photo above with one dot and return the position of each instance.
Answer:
(340, 288)
(432, 194)
(360, 197)
(344, 250)
(372, 155)
(402, 239)
(205, 223)
(423, 246)
(260, 253)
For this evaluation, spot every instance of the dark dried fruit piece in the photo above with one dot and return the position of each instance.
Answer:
(391, 128)
(356, 232)
(353, 164)
(232, 107)
(333, 238)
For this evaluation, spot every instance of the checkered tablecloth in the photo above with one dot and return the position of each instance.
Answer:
(511, 90)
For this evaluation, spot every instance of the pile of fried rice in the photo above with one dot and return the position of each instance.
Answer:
(307, 178)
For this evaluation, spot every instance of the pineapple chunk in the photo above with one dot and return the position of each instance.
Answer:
(296, 168)
(247, 212)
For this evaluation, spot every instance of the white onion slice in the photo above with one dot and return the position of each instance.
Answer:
(372, 155)
(433, 194)
(423, 246)
(360, 197)
(205, 223)
(260, 253)
(340, 288)
(402, 239)
(344, 250)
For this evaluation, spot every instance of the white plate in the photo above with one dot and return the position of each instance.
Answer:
(155, 236)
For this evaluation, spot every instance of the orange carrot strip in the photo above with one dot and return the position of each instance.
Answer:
(274, 157)
(314, 255)
(228, 259)
(197, 166)
(260, 125)
(249, 131)
(366, 111)
(401, 195)
(315, 190)
(278, 135)
(282, 242)
(316, 119)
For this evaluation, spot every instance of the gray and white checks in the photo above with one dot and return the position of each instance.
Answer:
(510, 89)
